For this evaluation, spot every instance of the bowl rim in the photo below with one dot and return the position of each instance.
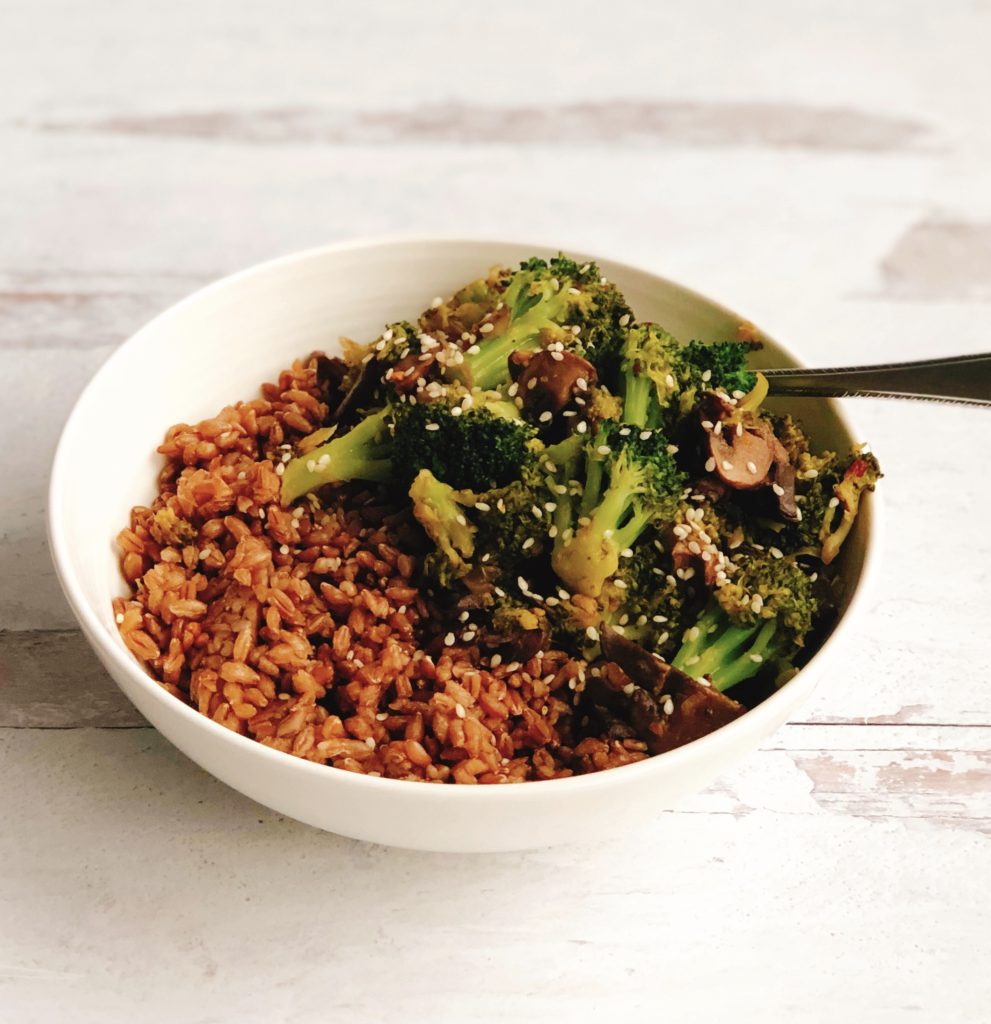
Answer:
(122, 660)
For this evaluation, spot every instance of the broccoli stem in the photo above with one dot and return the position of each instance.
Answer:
(489, 368)
(747, 663)
(636, 399)
(360, 454)
(728, 654)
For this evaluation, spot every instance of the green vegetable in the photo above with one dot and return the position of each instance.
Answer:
(631, 482)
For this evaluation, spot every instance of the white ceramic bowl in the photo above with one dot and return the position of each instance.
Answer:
(216, 347)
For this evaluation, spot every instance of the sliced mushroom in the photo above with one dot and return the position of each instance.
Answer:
(667, 707)
(549, 379)
(743, 460)
(410, 370)
(783, 483)
(358, 396)
(682, 557)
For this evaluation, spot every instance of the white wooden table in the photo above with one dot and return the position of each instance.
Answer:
(826, 174)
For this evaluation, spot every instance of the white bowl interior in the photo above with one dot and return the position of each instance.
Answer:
(216, 347)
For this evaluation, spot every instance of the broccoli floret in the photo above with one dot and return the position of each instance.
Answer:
(650, 604)
(477, 448)
(517, 522)
(468, 306)
(725, 362)
(762, 615)
(660, 380)
(650, 371)
(862, 474)
(827, 496)
(440, 510)
(363, 453)
(631, 482)
(543, 303)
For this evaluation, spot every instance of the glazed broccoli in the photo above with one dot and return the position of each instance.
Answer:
(481, 447)
(827, 495)
(440, 510)
(363, 453)
(630, 482)
(649, 374)
(644, 601)
(721, 366)
(762, 615)
(862, 474)
(660, 379)
(516, 523)
(545, 302)
(477, 448)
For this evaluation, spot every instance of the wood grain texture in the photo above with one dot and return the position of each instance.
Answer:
(170, 872)
(825, 172)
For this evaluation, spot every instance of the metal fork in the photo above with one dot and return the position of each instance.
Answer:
(956, 380)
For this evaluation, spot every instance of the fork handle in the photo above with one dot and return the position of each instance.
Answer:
(965, 380)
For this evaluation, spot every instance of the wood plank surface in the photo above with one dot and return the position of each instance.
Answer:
(822, 170)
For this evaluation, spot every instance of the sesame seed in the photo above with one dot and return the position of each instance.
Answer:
(751, 467)
(727, 465)
(739, 394)
(432, 426)
(284, 549)
(546, 417)
(694, 547)
(672, 449)
(473, 350)
(555, 284)
(528, 543)
(552, 532)
(436, 302)
(813, 577)
(624, 319)
(778, 489)
(531, 384)
(512, 389)
(485, 557)
(620, 583)
(459, 710)
(592, 633)
(522, 584)
(456, 410)
(582, 427)
(460, 520)
(833, 502)
(537, 511)
(551, 506)
(707, 375)
(482, 506)
(739, 430)
(280, 468)
(710, 465)
(581, 384)
(449, 640)
(668, 706)
(495, 661)
(560, 489)
(775, 552)
(669, 380)
(574, 291)
(626, 553)
(707, 424)
(603, 449)
(468, 636)
(811, 474)
(311, 465)
(756, 658)
(693, 660)
(629, 688)
(557, 356)
(486, 328)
